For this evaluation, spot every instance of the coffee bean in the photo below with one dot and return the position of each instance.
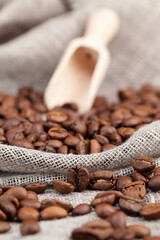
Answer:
(102, 180)
(30, 203)
(5, 187)
(55, 116)
(27, 213)
(150, 211)
(139, 177)
(54, 143)
(117, 219)
(63, 187)
(81, 147)
(22, 143)
(107, 131)
(29, 227)
(57, 133)
(157, 171)
(19, 192)
(11, 199)
(106, 193)
(53, 212)
(144, 164)
(79, 177)
(97, 223)
(123, 234)
(126, 132)
(154, 183)
(71, 141)
(55, 202)
(81, 209)
(110, 199)
(37, 187)
(122, 181)
(76, 126)
(31, 195)
(95, 147)
(101, 139)
(3, 216)
(115, 139)
(129, 206)
(108, 146)
(8, 208)
(4, 227)
(136, 189)
(104, 210)
(63, 149)
(132, 121)
(140, 230)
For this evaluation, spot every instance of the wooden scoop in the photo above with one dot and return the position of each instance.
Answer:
(84, 64)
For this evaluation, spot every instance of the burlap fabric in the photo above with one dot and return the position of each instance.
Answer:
(33, 35)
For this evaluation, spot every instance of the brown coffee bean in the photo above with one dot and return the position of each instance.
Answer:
(1, 191)
(125, 132)
(107, 131)
(29, 227)
(108, 146)
(81, 209)
(30, 203)
(22, 143)
(37, 187)
(132, 121)
(122, 181)
(57, 133)
(55, 202)
(63, 149)
(8, 208)
(150, 211)
(130, 206)
(71, 141)
(144, 164)
(6, 187)
(55, 116)
(19, 192)
(104, 210)
(4, 227)
(139, 177)
(3, 140)
(63, 187)
(31, 195)
(11, 199)
(79, 177)
(102, 180)
(140, 230)
(93, 128)
(117, 219)
(154, 183)
(81, 147)
(27, 213)
(101, 139)
(32, 137)
(110, 199)
(76, 126)
(116, 193)
(3, 216)
(53, 212)
(157, 171)
(97, 223)
(115, 139)
(123, 234)
(136, 189)
(54, 143)
(95, 147)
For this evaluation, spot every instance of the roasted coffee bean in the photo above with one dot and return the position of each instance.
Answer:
(130, 206)
(115, 139)
(108, 146)
(97, 223)
(55, 202)
(57, 133)
(63, 187)
(101, 139)
(63, 149)
(102, 180)
(53, 212)
(110, 199)
(95, 147)
(81, 209)
(4, 227)
(19, 192)
(139, 177)
(3, 216)
(11, 199)
(3, 140)
(71, 141)
(122, 181)
(157, 171)
(81, 147)
(31, 195)
(140, 231)
(37, 187)
(1, 191)
(116, 193)
(8, 208)
(27, 213)
(123, 234)
(154, 183)
(22, 143)
(29, 227)
(79, 177)
(117, 219)
(55, 116)
(76, 126)
(132, 121)
(150, 211)
(54, 143)
(125, 132)
(30, 203)
(104, 210)
(144, 164)
(93, 128)
(32, 137)
(107, 131)
(136, 189)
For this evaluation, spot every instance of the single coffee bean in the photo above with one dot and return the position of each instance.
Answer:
(32, 137)
(93, 128)
(32, 195)
(19, 192)
(125, 132)
(101, 139)
(30, 203)
(157, 171)
(53, 212)
(56, 202)
(123, 234)
(71, 141)
(132, 121)
(27, 213)
(6, 187)
(110, 199)
(57, 133)
(29, 227)
(108, 146)
(63, 187)
(37, 128)
(122, 181)
(130, 206)
(107, 131)
(4, 227)
(95, 147)
(81, 209)
(3, 216)
(104, 210)
(139, 177)
(81, 147)
(8, 208)
(97, 223)
(55, 116)
(150, 211)
(79, 177)
(78, 126)
(144, 164)
(11, 199)
(116, 193)
(136, 189)
(22, 143)
(117, 219)
(115, 139)
(54, 143)
(37, 187)
(63, 149)
(140, 230)
(102, 180)
(154, 183)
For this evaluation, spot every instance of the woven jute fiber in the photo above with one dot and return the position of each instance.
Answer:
(33, 36)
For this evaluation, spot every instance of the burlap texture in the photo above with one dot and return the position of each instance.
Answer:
(41, 29)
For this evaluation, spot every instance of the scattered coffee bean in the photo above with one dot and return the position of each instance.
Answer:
(8, 208)
(53, 212)
(136, 189)
(3, 216)
(63, 187)
(150, 211)
(81, 209)
(30, 203)
(122, 181)
(139, 177)
(154, 183)
(117, 219)
(140, 230)
(130, 206)
(19, 192)
(144, 164)
(29, 227)
(55, 202)
(104, 210)
(97, 223)
(31, 195)
(27, 213)
(123, 234)
(37, 187)
(4, 227)
(110, 199)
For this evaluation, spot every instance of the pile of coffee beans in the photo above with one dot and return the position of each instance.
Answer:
(26, 122)
(120, 196)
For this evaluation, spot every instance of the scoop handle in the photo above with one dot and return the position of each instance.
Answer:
(102, 26)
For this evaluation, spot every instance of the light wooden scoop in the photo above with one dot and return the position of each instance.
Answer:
(84, 64)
